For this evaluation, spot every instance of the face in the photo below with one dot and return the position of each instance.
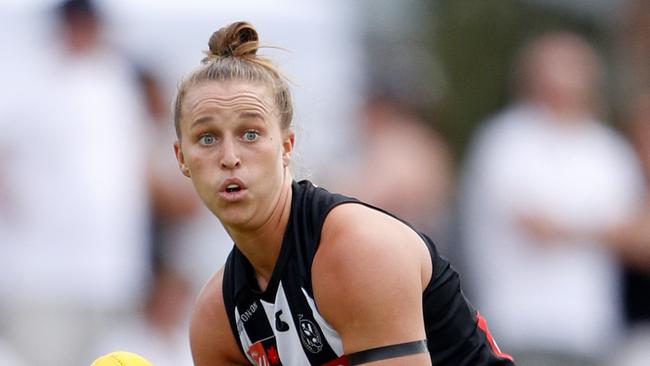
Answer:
(568, 75)
(233, 148)
(564, 74)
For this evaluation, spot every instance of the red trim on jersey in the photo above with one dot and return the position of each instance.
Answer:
(482, 324)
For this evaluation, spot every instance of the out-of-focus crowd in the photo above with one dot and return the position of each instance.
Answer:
(104, 244)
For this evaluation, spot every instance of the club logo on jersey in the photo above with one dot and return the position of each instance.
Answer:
(280, 325)
(310, 335)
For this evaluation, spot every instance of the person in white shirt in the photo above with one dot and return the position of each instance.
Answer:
(540, 173)
(74, 225)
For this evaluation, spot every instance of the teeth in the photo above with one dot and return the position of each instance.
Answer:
(232, 187)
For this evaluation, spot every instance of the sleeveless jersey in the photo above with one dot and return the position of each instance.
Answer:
(282, 325)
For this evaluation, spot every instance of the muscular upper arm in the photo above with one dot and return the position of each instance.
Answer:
(368, 277)
(211, 337)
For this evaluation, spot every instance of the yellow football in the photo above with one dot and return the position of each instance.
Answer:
(121, 358)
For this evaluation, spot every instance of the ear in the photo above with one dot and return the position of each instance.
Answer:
(287, 146)
(181, 159)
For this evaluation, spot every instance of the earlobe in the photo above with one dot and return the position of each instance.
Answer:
(180, 157)
(287, 146)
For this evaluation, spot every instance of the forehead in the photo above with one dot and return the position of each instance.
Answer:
(227, 94)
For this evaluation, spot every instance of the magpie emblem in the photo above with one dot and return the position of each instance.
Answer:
(280, 325)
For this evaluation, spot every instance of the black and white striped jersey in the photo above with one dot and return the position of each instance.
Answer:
(282, 325)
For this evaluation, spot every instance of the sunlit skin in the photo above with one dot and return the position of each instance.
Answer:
(231, 136)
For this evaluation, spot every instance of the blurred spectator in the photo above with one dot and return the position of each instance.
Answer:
(171, 197)
(160, 331)
(404, 166)
(541, 174)
(632, 241)
(184, 233)
(74, 239)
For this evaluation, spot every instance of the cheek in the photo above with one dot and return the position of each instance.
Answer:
(271, 159)
(199, 163)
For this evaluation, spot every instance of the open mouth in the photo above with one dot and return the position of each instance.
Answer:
(233, 188)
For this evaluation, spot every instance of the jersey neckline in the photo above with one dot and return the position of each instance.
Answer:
(250, 281)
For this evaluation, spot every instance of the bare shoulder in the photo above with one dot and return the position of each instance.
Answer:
(368, 276)
(357, 221)
(211, 337)
(355, 234)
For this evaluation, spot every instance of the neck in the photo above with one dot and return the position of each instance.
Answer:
(262, 245)
(562, 115)
(569, 115)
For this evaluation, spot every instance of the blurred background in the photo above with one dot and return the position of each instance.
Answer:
(516, 133)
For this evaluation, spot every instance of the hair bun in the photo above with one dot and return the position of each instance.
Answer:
(235, 40)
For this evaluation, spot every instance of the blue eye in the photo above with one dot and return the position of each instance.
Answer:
(251, 135)
(206, 140)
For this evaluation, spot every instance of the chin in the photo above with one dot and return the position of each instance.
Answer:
(231, 218)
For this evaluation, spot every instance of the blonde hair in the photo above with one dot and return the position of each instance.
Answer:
(232, 55)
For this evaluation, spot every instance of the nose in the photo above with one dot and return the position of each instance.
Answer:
(229, 155)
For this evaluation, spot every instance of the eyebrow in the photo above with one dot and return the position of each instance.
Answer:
(243, 114)
(251, 114)
(201, 121)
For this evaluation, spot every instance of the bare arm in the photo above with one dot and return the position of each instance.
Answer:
(211, 337)
(368, 277)
(631, 240)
